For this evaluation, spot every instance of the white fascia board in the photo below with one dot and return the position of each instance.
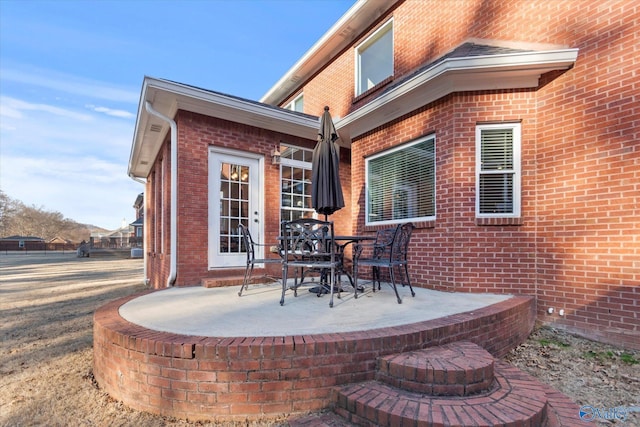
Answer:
(340, 35)
(138, 168)
(226, 107)
(169, 97)
(506, 71)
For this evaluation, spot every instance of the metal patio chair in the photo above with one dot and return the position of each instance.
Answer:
(308, 244)
(388, 251)
(250, 247)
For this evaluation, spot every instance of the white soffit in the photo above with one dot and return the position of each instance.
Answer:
(504, 71)
(168, 97)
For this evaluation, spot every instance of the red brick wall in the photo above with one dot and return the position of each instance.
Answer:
(158, 219)
(196, 134)
(577, 245)
(588, 177)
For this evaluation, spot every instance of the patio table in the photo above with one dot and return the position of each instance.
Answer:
(345, 240)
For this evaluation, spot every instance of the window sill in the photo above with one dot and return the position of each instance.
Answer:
(373, 89)
(499, 221)
(417, 224)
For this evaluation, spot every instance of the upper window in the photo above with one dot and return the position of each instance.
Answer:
(498, 170)
(374, 58)
(401, 183)
(297, 104)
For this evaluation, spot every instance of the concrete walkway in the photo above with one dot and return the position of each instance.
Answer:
(220, 312)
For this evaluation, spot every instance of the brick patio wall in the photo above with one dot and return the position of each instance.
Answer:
(245, 378)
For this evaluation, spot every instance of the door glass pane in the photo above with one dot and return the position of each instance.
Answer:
(234, 205)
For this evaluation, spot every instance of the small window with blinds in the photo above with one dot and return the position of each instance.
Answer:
(498, 170)
(401, 184)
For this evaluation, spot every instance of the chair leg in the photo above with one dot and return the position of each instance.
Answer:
(355, 280)
(284, 284)
(393, 282)
(332, 283)
(375, 274)
(248, 272)
(406, 272)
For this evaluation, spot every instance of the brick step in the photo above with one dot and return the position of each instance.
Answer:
(515, 400)
(218, 282)
(457, 369)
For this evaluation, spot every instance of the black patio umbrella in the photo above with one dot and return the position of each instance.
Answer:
(326, 191)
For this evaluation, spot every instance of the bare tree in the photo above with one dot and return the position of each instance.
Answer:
(17, 219)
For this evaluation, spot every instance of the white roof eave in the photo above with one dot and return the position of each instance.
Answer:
(491, 72)
(506, 71)
(340, 35)
(168, 97)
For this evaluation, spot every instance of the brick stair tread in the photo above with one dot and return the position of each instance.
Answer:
(217, 282)
(235, 280)
(456, 369)
(515, 400)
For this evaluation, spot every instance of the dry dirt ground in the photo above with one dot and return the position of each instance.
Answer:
(46, 313)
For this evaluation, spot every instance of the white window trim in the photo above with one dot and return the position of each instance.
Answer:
(292, 105)
(435, 180)
(286, 162)
(365, 44)
(517, 171)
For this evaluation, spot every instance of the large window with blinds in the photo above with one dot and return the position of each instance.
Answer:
(401, 183)
(498, 170)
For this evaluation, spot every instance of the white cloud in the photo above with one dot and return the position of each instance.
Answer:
(111, 112)
(8, 111)
(85, 189)
(54, 80)
(69, 160)
(14, 108)
(65, 144)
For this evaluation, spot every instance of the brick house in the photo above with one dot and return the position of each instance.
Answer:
(506, 131)
(136, 238)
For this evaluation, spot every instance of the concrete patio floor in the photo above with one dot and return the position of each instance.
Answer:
(220, 312)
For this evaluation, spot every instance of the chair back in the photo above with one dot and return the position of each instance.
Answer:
(307, 239)
(400, 245)
(383, 242)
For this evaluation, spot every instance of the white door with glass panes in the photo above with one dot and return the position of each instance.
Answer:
(234, 198)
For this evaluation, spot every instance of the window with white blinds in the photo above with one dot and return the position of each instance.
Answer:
(498, 170)
(401, 183)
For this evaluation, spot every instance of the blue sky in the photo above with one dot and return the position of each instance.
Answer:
(71, 73)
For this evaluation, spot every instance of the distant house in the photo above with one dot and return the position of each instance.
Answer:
(17, 243)
(136, 240)
(507, 132)
(112, 239)
(60, 241)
